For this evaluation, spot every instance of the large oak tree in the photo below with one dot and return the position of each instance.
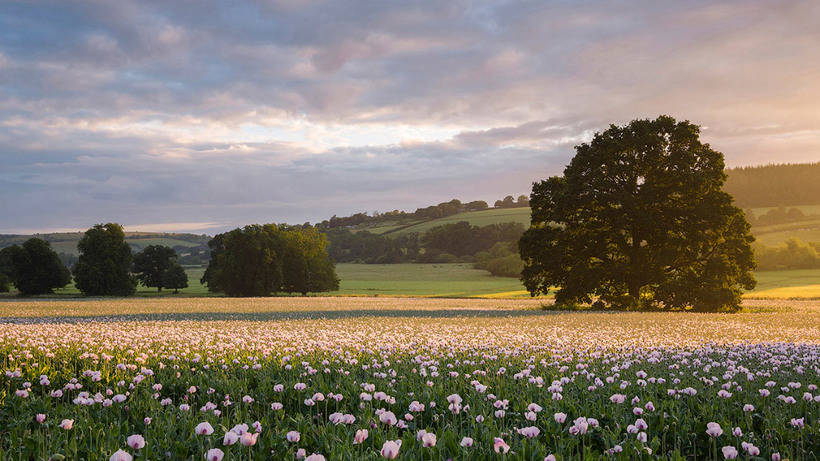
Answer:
(104, 265)
(639, 220)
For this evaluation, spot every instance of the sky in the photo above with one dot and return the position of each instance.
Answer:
(203, 116)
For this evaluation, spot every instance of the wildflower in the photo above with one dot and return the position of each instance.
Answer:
(293, 436)
(361, 436)
(214, 454)
(500, 446)
(40, 418)
(67, 424)
(390, 449)
(714, 429)
(136, 441)
(204, 428)
(729, 452)
(560, 418)
(315, 457)
(248, 439)
(388, 418)
(428, 439)
(466, 442)
(230, 438)
(529, 432)
(120, 455)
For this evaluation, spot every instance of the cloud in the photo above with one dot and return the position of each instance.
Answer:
(159, 112)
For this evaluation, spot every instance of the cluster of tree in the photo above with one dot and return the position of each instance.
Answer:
(793, 254)
(157, 267)
(365, 247)
(510, 202)
(639, 219)
(775, 185)
(104, 265)
(462, 239)
(457, 242)
(501, 260)
(260, 260)
(34, 268)
(779, 215)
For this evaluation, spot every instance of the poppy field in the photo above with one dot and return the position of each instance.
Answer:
(371, 378)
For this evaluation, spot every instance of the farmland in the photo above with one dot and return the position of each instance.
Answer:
(425, 378)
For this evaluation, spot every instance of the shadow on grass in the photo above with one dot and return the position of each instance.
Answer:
(268, 316)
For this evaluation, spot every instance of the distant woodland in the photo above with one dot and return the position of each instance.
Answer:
(775, 185)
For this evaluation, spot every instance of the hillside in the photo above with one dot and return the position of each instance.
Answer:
(66, 242)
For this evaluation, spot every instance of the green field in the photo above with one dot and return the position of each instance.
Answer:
(461, 280)
(476, 218)
(442, 280)
(808, 231)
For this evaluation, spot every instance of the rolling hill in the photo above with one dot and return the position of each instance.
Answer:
(66, 242)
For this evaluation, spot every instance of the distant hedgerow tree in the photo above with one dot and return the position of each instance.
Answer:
(259, 260)
(639, 220)
(151, 263)
(36, 268)
(7, 267)
(306, 266)
(175, 277)
(104, 265)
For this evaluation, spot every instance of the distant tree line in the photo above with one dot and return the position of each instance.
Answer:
(792, 254)
(779, 215)
(456, 242)
(441, 210)
(774, 185)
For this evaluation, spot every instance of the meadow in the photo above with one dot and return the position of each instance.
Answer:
(408, 378)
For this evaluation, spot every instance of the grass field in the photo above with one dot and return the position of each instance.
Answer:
(462, 281)
(476, 218)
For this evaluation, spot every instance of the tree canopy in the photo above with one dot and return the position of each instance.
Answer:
(639, 220)
(258, 260)
(175, 277)
(34, 268)
(104, 265)
(151, 264)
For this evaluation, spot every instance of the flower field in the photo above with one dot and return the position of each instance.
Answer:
(371, 378)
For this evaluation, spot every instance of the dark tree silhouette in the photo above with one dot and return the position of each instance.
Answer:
(639, 219)
(104, 265)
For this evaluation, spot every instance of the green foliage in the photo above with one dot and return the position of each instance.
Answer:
(502, 260)
(639, 220)
(366, 247)
(259, 260)
(37, 269)
(462, 239)
(103, 268)
(306, 266)
(151, 264)
(175, 277)
(793, 254)
(7, 267)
